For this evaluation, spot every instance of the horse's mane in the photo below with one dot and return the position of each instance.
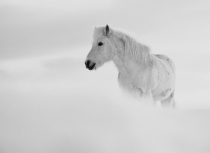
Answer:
(133, 48)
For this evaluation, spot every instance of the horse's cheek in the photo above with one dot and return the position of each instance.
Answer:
(110, 51)
(105, 53)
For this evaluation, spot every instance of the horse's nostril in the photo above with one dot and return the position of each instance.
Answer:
(89, 64)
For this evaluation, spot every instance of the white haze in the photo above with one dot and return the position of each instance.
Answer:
(54, 104)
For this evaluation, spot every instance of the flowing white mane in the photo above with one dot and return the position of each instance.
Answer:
(133, 48)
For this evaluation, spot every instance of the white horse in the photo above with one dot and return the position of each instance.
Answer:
(140, 71)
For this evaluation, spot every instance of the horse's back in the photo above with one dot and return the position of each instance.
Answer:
(167, 60)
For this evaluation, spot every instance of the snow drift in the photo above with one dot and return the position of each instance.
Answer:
(55, 105)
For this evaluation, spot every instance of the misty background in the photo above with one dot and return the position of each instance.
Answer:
(49, 101)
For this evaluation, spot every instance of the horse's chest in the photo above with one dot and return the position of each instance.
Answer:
(131, 82)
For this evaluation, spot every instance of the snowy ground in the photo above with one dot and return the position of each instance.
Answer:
(54, 105)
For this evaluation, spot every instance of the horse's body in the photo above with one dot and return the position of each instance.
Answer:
(140, 72)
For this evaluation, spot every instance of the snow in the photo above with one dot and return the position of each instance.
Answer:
(53, 105)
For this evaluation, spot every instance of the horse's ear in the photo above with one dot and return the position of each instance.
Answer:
(107, 30)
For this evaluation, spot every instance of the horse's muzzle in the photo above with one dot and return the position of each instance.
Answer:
(90, 65)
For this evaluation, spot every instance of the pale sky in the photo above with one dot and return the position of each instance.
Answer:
(37, 27)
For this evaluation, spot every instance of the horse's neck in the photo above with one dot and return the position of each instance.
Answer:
(120, 64)
(127, 65)
(126, 60)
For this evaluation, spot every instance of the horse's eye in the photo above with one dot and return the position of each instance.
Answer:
(100, 44)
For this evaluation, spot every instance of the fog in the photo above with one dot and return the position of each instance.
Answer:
(56, 105)
(50, 103)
